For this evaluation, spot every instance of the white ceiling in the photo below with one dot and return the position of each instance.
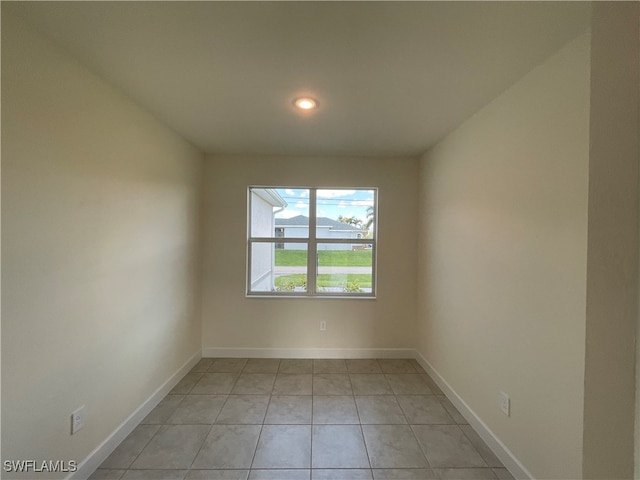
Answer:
(391, 78)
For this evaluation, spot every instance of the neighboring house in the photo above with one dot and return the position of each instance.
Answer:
(298, 227)
(264, 203)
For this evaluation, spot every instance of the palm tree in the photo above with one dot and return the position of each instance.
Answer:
(356, 222)
(370, 217)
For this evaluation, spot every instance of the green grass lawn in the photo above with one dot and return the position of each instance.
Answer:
(326, 258)
(291, 258)
(326, 280)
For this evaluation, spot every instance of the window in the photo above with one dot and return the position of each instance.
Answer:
(317, 242)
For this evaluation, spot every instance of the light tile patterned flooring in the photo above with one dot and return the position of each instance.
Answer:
(303, 419)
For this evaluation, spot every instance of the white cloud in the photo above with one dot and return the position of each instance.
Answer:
(364, 203)
(334, 193)
(290, 192)
(289, 213)
(342, 204)
(302, 205)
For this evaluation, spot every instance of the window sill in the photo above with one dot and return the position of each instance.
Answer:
(312, 297)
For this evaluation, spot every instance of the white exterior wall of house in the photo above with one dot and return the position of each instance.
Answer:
(262, 254)
(295, 231)
(302, 231)
(328, 232)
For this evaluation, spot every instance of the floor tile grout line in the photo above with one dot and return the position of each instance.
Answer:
(424, 454)
(473, 445)
(255, 450)
(266, 412)
(439, 397)
(145, 445)
(202, 444)
(364, 442)
(208, 432)
(311, 429)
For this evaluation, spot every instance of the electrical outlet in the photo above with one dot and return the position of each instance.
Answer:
(77, 420)
(323, 325)
(504, 402)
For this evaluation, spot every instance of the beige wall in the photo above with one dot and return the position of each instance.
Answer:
(100, 241)
(502, 267)
(99, 249)
(612, 273)
(230, 320)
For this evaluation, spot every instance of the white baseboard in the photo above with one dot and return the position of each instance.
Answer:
(217, 352)
(102, 451)
(505, 455)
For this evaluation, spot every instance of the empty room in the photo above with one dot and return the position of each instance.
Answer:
(320, 240)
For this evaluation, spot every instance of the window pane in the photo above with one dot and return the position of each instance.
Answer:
(278, 267)
(344, 268)
(345, 213)
(279, 212)
(340, 248)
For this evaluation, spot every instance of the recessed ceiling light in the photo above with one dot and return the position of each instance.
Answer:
(305, 103)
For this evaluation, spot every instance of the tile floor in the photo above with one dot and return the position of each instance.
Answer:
(303, 419)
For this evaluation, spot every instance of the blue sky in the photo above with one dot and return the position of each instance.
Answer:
(330, 202)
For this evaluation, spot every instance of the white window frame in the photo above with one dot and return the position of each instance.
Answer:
(312, 251)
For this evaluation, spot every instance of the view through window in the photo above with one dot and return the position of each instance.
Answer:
(312, 241)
